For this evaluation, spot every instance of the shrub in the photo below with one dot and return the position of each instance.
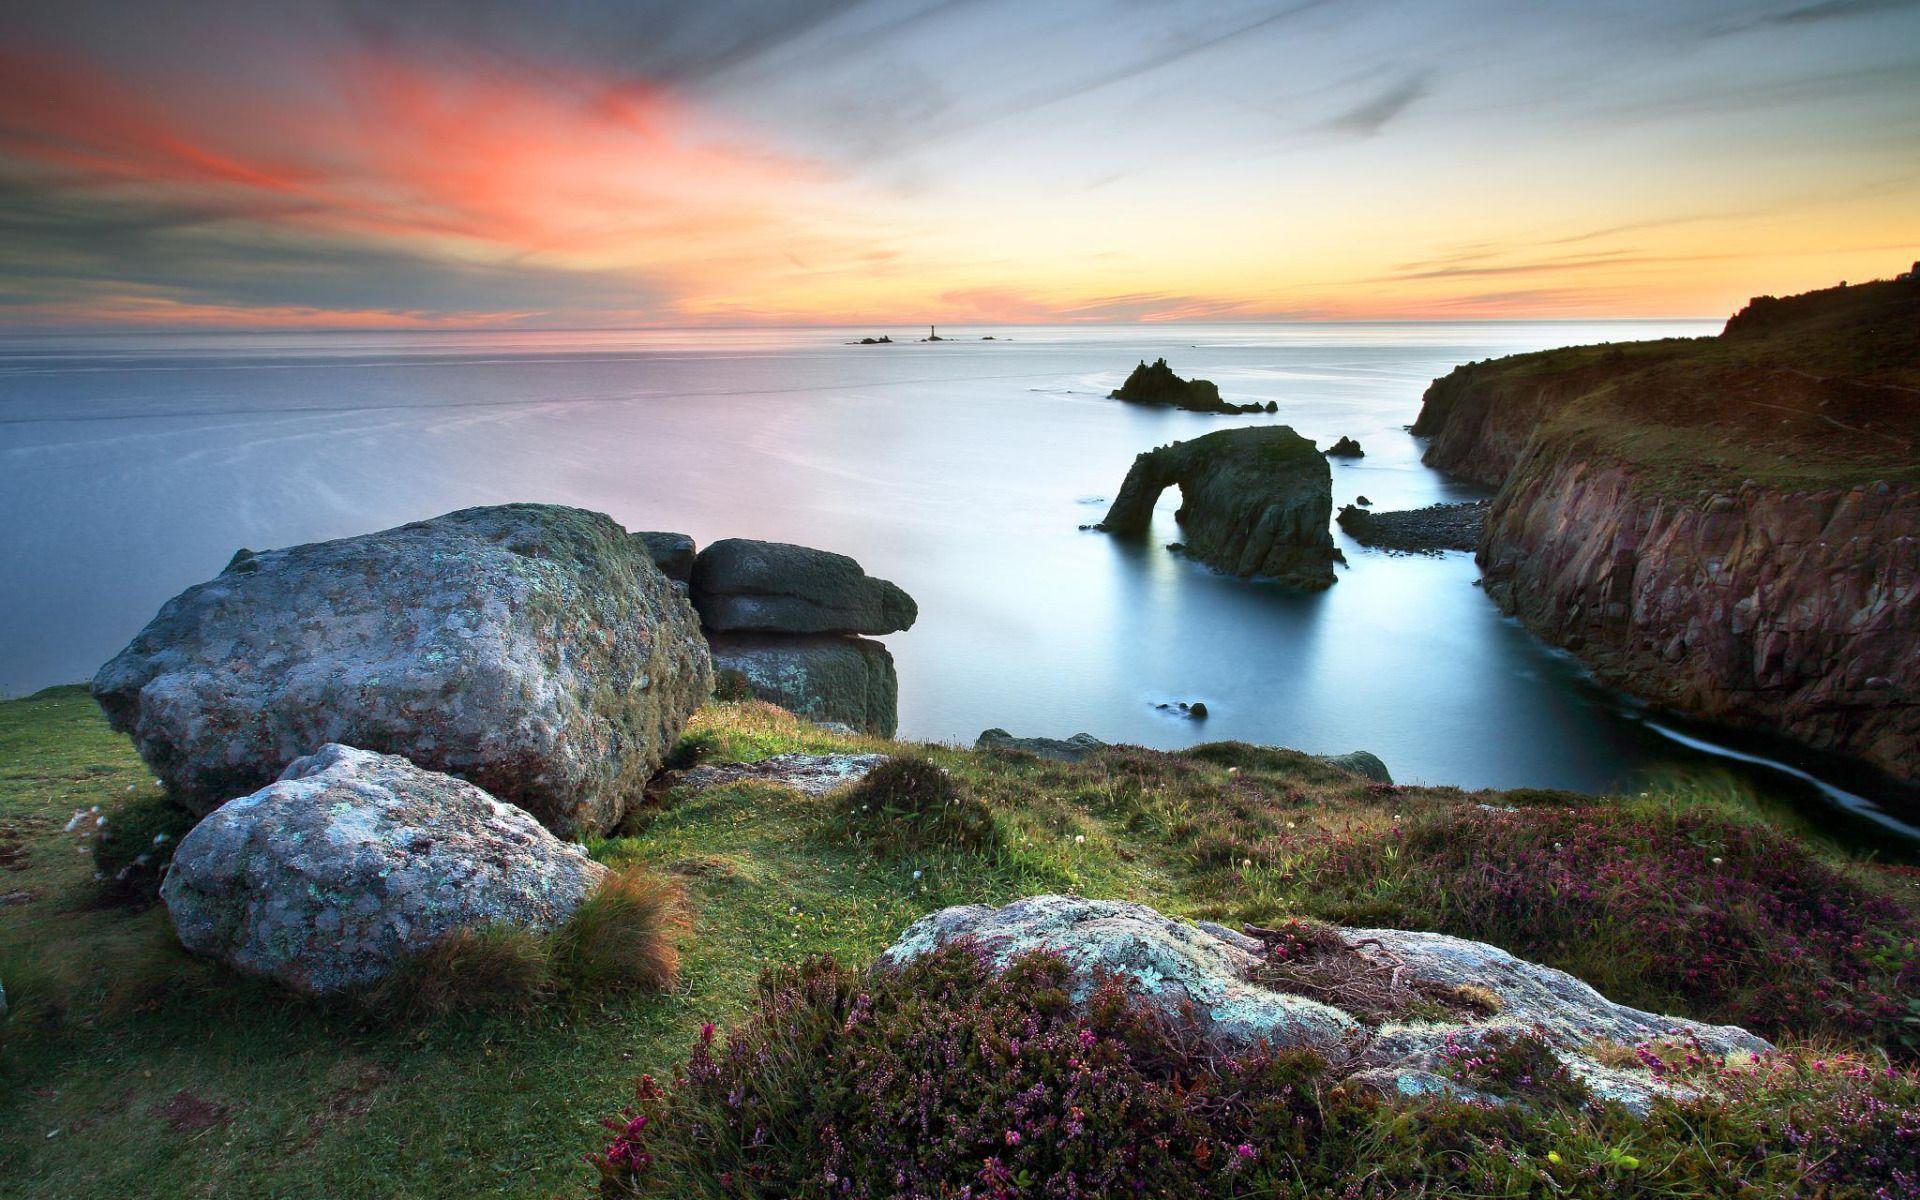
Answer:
(133, 846)
(909, 804)
(1697, 911)
(623, 936)
(945, 1079)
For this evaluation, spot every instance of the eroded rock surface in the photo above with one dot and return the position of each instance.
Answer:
(743, 586)
(814, 774)
(352, 862)
(823, 678)
(1214, 978)
(1254, 502)
(532, 649)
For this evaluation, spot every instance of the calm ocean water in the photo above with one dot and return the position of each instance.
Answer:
(134, 466)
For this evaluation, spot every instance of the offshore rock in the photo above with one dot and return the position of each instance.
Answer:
(531, 649)
(1254, 502)
(353, 862)
(1157, 384)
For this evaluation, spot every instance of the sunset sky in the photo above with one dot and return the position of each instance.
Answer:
(362, 165)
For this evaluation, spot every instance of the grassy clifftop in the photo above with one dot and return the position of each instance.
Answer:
(1821, 389)
(128, 1068)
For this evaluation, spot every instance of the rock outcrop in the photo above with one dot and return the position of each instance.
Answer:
(1253, 502)
(742, 586)
(821, 677)
(1346, 447)
(1071, 749)
(814, 774)
(532, 649)
(1363, 763)
(784, 616)
(354, 862)
(1222, 982)
(1727, 527)
(1157, 384)
(672, 553)
(1426, 530)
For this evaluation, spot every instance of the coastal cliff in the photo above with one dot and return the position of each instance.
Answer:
(1726, 527)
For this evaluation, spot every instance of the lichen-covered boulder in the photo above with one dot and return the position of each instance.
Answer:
(1179, 967)
(353, 862)
(845, 680)
(1222, 982)
(743, 586)
(532, 649)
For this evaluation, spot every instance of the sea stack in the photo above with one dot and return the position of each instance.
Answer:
(1254, 502)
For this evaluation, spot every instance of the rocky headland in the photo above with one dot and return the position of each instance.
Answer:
(1728, 527)
(1158, 385)
(1254, 502)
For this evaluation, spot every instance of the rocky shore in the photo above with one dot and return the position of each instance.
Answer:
(1426, 530)
(1727, 527)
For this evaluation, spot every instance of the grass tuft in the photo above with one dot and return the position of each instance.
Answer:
(625, 936)
(909, 804)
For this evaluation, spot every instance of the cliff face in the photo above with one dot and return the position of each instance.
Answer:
(1791, 612)
(1729, 527)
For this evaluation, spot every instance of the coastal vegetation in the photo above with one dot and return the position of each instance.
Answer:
(210, 1084)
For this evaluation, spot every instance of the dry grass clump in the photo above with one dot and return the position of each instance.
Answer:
(623, 937)
(1313, 959)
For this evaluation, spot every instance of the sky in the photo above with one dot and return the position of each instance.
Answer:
(492, 163)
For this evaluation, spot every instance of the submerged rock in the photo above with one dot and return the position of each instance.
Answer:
(822, 677)
(353, 862)
(1223, 984)
(1071, 749)
(533, 649)
(743, 586)
(1255, 502)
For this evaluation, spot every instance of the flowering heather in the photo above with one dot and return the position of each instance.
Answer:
(945, 1081)
(1691, 911)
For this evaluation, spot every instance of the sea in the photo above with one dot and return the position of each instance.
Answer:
(965, 470)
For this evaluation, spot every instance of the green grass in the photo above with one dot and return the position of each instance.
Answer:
(112, 1021)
